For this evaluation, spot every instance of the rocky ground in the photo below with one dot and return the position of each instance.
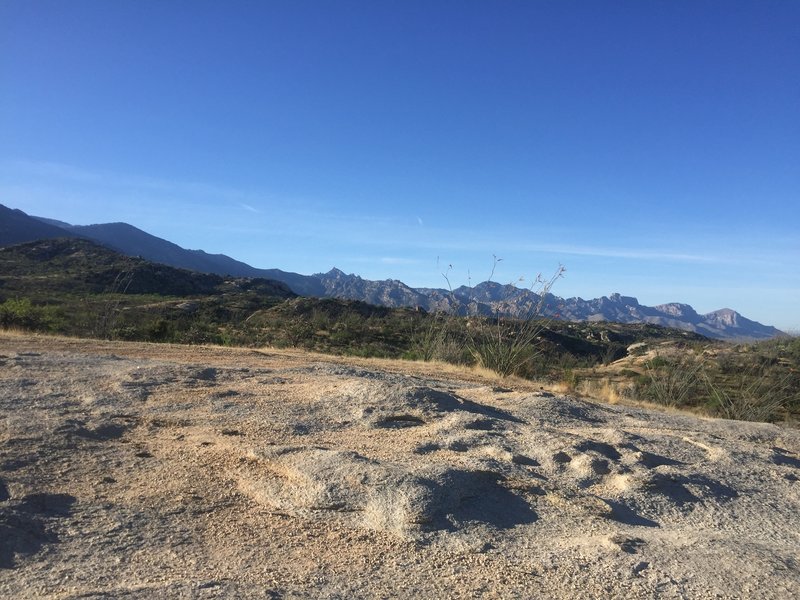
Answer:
(156, 471)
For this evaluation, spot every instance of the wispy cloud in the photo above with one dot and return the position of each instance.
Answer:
(513, 244)
(395, 260)
(386, 260)
(381, 235)
(56, 170)
(630, 253)
(469, 241)
(107, 179)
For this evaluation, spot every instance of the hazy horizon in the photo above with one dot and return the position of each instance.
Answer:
(652, 149)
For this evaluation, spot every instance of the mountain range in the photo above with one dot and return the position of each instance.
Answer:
(487, 298)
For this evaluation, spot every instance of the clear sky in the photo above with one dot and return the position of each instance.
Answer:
(652, 147)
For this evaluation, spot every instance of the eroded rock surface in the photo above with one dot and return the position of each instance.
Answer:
(141, 471)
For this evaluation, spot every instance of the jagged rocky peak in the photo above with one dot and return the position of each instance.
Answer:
(626, 300)
(677, 309)
(725, 316)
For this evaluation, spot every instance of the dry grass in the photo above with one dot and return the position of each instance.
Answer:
(604, 389)
(610, 390)
(16, 332)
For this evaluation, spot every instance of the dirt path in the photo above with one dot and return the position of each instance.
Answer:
(142, 471)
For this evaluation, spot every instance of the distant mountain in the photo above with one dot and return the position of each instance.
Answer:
(490, 298)
(135, 242)
(487, 298)
(73, 265)
(16, 228)
(335, 284)
(54, 222)
(624, 309)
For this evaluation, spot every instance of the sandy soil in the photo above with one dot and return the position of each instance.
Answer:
(156, 471)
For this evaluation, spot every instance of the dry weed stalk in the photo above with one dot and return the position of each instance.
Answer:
(499, 343)
(508, 343)
(107, 316)
(671, 386)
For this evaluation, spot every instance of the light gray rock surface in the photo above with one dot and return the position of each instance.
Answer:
(156, 471)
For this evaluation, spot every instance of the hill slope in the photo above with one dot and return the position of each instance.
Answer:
(69, 265)
(16, 228)
(135, 242)
(77, 287)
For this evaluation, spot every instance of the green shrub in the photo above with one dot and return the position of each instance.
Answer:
(23, 313)
(657, 362)
(672, 383)
(17, 312)
(755, 393)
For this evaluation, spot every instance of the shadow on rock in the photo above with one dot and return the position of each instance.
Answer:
(784, 458)
(651, 461)
(103, 432)
(479, 497)
(572, 409)
(27, 525)
(314, 482)
(601, 448)
(623, 514)
(440, 401)
(685, 489)
(405, 407)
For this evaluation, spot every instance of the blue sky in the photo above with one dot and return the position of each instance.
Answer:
(653, 148)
